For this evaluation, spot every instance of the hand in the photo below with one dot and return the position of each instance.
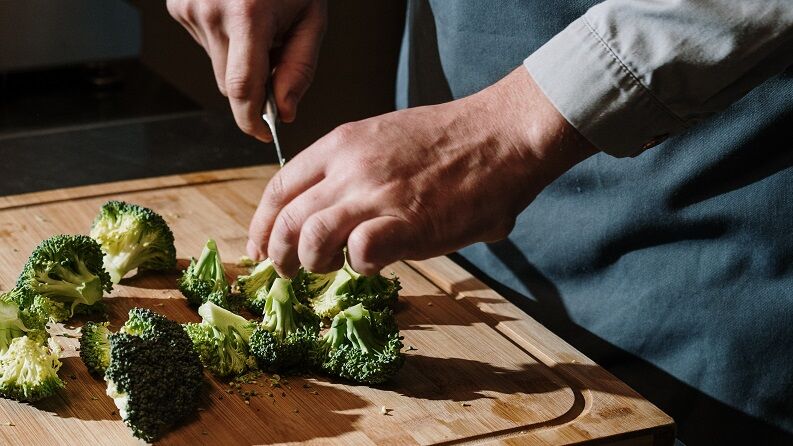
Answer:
(239, 36)
(415, 183)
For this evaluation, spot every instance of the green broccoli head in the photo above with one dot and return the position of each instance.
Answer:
(132, 237)
(154, 375)
(16, 321)
(95, 347)
(309, 285)
(254, 286)
(36, 310)
(29, 369)
(66, 269)
(205, 279)
(330, 293)
(361, 345)
(282, 342)
(221, 340)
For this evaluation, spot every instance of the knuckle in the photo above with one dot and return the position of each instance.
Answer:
(276, 189)
(209, 13)
(287, 226)
(238, 86)
(314, 234)
(304, 71)
(343, 134)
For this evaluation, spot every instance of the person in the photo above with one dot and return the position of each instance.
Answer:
(623, 166)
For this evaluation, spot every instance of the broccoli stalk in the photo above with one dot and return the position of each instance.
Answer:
(282, 341)
(255, 286)
(95, 347)
(154, 375)
(361, 345)
(66, 269)
(349, 288)
(221, 340)
(205, 280)
(133, 237)
(29, 369)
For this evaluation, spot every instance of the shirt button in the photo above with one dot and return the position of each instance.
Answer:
(655, 141)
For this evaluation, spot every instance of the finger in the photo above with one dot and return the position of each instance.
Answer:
(247, 70)
(218, 47)
(301, 173)
(298, 60)
(378, 242)
(285, 236)
(324, 234)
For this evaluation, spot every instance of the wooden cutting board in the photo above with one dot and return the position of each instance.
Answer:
(479, 370)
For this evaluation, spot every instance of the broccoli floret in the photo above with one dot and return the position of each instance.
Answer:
(361, 345)
(205, 280)
(132, 237)
(221, 340)
(155, 375)
(308, 285)
(66, 269)
(282, 342)
(16, 322)
(330, 293)
(29, 369)
(95, 347)
(255, 286)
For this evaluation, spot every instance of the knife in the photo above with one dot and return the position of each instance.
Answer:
(270, 117)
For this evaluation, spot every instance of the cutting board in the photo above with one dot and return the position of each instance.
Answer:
(478, 369)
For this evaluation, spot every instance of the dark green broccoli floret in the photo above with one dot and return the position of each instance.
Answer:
(205, 280)
(255, 286)
(221, 340)
(331, 293)
(154, 376)
(95, 347)
(66, 269)
(29, 369)
(132, 237)
(282, 342)
(361, 345)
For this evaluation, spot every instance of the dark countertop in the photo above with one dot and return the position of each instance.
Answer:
(136, 148)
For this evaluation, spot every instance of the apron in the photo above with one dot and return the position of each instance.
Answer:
(674, 269)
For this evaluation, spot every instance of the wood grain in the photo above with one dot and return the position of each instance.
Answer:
(478, 371)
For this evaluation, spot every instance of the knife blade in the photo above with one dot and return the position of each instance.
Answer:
(270, 117)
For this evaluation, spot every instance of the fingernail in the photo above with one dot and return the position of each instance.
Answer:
(253, 250)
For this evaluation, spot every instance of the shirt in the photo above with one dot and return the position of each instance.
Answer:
(672, 268)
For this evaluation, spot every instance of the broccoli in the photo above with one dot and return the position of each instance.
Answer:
(361, 345)
(29, 369)
(66, 269)
(254, 286)
(95, 347)
(154, 375)
(205, 280)
(309, 285)
(221, 340)
(349, 288)
(132, 237)
(16, 322)
(283, 340)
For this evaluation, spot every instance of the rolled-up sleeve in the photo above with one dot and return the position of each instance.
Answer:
(630, 73)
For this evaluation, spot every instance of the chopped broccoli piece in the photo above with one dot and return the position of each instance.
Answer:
(29, 369)
(221, 340)
(336, 297)
(255, 286)
(283, 340)
(361, 345)
(154, 376)
(309, 285)
(16, 321)
(349, 288)
(95, 347)
(205, 280)
(66, 269)
(132, 237)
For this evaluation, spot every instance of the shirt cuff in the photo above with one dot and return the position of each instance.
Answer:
(598, 94)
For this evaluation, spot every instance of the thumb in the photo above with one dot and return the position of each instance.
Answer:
(298, 60)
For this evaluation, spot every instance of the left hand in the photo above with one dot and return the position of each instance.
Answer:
(415, 183)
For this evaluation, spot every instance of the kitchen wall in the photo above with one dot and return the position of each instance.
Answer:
(355, 79)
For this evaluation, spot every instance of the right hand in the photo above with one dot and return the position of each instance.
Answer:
(238, 35)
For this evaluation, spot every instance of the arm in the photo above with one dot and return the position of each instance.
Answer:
(239, 35)
(426, 181)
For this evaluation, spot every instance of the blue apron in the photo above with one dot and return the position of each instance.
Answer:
(674, 269)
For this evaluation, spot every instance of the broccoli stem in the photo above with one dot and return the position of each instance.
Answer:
(279, 309)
